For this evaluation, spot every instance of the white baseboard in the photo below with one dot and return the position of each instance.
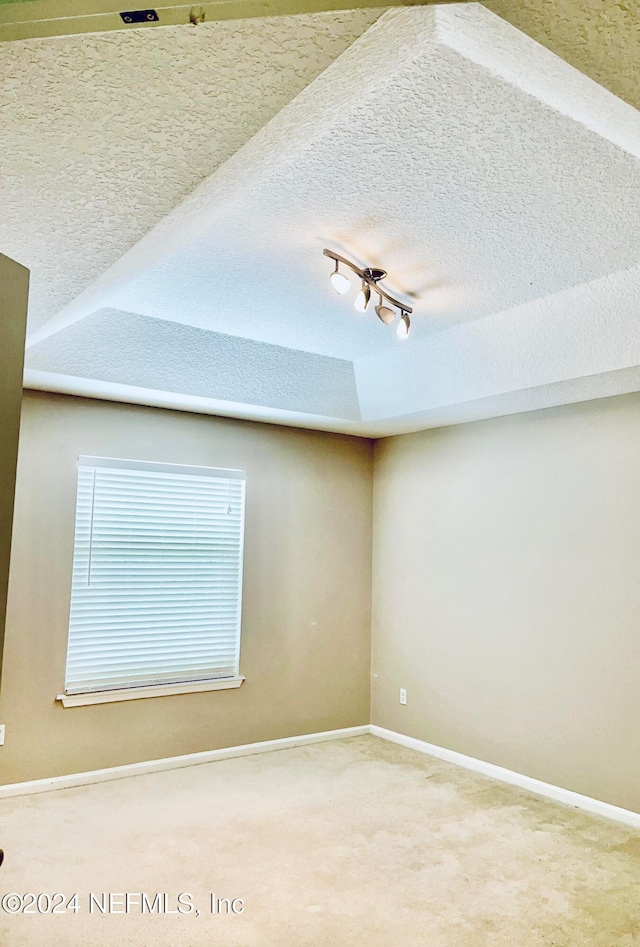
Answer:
(565, 796)
(174, 762)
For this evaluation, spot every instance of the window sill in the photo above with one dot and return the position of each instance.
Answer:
(154, 690)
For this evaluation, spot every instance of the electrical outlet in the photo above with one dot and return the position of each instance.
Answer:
(1, 734)
(403, 696)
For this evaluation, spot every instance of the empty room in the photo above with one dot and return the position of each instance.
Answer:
(319, 474)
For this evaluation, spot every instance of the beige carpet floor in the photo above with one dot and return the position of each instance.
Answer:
(356, 842)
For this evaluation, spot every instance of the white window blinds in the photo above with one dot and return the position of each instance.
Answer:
(157, 575)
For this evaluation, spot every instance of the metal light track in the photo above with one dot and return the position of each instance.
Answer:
(373, 284)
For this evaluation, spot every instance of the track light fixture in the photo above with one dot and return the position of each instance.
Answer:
(370, 278)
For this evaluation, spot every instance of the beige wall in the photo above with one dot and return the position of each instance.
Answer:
(14, 288)
(506, 598)
(307, 588)
(506, 591)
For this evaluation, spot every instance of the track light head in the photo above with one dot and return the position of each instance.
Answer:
(384, 313)
(363, 297)
(339, 281)
(403, 326)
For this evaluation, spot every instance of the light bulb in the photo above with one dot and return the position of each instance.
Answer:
(385, 314)
(403, 326)
(340, 282)
(363, 297)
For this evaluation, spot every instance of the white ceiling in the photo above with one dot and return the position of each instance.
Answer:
(102, 135)
(130, 349)
(498, 186)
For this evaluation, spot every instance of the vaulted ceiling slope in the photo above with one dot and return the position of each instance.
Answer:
(499, 186)
(102, 135)
(601, 38)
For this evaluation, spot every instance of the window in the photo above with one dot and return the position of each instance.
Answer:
(157, 579)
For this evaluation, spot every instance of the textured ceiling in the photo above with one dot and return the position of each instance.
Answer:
(473, 206)
(103, 135)
(471, 202)
(498, 185)
(114, 346)
(599, 37)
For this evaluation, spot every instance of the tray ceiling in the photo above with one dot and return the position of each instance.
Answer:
(498, 185)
